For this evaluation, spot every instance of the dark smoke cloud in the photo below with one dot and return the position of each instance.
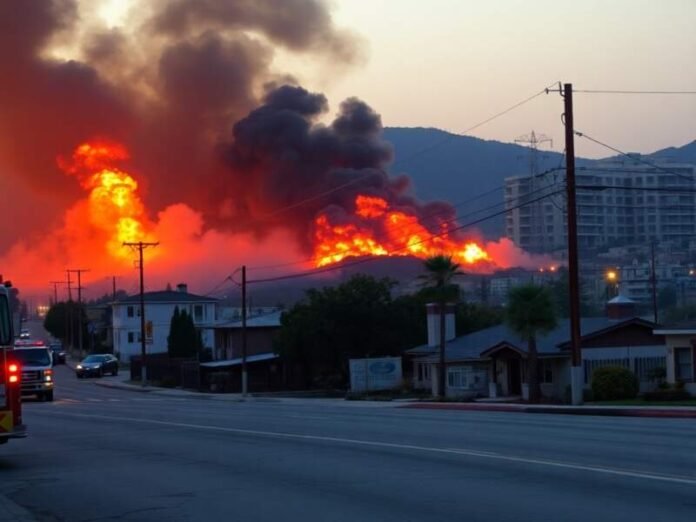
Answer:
(286, 167)
(169, 86)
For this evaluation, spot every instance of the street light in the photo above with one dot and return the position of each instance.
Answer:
(612, 278)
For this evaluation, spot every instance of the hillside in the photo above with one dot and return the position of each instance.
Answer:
(457, 168)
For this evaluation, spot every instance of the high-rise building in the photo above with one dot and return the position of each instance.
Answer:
(619, 202)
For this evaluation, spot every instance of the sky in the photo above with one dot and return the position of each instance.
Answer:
(451, 64)
(173, 87)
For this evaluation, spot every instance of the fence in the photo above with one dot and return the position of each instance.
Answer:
(641, 366)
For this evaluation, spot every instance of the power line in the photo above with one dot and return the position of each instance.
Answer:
(373, 258)
(407, 159)
(451, 220)
(597, 91)
(632, 157)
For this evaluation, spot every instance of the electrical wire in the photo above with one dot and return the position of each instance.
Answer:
(634, 158)
(407, 159)
(373, 258)
(448, 221)
(597, 91)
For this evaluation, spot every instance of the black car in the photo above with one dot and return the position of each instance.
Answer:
(58, 353)
(97, 365)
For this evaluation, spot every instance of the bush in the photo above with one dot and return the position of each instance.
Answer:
(614, 383)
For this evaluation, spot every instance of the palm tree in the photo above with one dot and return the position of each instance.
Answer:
(530, 312)
(441, 271)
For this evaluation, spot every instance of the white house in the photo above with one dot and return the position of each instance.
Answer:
(159, 308)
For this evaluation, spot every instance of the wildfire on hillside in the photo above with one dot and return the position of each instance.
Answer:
(381, 231)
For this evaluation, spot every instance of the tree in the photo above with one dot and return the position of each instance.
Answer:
(439, 277)
(184, 340)
(355, 319)
(471, 317)
(530, 313)
(58, 319)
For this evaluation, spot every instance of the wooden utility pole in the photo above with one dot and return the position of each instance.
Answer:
(140, 246)
(80, 323)
(244, 333)
(576, 377)
(68, 314)
(55, 289)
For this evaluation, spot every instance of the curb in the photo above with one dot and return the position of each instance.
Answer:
(559, 410)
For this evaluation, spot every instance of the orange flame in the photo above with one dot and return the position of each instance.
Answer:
(400, 234)
(115, 207)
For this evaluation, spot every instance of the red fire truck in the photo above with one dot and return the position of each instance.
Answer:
(10, 376)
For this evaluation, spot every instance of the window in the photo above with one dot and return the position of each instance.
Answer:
(133, 311)
(198, 313)
(683, 364)
(545, 371)
(131, 337)
(5, 326)
(424, 372)
(130, 312)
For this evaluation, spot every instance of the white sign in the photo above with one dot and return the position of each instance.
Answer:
(383, 373)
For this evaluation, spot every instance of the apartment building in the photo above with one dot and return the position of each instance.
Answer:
(619, 202)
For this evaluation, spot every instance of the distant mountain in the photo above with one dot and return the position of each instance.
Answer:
(685, 154)
(458, 168)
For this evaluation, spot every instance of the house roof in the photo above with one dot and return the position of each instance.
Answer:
(474, 346)
(167, 296)
(269, 320)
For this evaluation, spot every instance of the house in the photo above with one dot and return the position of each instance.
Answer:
(159, 308)
(260, 332)
(493, 362)
(265, 370)
(681, 354)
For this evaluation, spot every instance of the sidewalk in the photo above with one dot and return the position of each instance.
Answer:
(674, 412)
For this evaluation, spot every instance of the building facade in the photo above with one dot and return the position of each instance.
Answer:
(623, 201)
(159, 308)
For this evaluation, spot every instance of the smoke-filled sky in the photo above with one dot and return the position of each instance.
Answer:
(232, 109)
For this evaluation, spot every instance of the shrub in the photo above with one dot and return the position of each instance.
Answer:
(614, 383)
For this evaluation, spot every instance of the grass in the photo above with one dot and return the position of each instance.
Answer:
(641, 402)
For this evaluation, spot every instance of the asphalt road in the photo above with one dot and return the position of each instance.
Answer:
(105, 454)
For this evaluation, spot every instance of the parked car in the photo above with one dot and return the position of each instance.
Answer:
(58, 353)
(97, 365)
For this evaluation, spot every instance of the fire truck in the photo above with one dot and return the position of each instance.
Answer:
(10, 376)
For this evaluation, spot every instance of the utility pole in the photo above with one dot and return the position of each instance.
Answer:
(55, 289)
(576, 377)
(140, 246)
(113, 288)
(80, 327)
(68, 314)
(244, 333)
(653, 279)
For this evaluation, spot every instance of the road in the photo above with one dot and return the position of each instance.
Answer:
(103, 454)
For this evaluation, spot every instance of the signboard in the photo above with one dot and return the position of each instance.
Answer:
(382, 373)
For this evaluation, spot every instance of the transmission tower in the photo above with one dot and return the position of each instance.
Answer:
(532, 141)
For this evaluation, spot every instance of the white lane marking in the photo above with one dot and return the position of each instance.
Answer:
(306, 417)
(691, 481)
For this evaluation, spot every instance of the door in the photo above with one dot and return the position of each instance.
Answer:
(514, 377)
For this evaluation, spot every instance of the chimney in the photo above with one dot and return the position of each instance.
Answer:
(433, 311)
(620, 308)
(182, 287)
